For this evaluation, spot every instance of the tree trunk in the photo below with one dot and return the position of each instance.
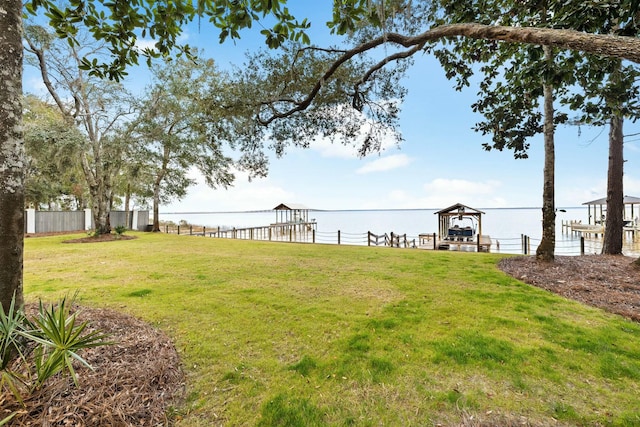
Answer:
(156, 207)
(546, 249)
(100, 192)
(11, 155)
(612, 244)
(127, 198)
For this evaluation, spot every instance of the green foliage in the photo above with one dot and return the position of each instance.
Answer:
(42, 348)
(59, 338)
(179, 126)
(12, 347)
(120, 24)
(120, 230)
(52, 146)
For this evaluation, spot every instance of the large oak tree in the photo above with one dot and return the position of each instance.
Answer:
(120, 24)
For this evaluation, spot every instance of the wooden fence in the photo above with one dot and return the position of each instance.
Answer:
(60, 221)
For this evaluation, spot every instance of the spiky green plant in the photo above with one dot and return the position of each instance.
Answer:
(59, 338)
(12, 346)
(43, 347)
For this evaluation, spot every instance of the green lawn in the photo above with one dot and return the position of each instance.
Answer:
(301, 334)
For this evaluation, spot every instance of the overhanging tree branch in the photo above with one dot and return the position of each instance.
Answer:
(607, 45)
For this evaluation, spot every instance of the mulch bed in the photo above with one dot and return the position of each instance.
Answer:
(134, 381)
(610, 282)
(101, 238)
(88, 239)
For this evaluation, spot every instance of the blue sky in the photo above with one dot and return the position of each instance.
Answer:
(441, 161)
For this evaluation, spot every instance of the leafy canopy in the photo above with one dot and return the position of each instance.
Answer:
(121, 23)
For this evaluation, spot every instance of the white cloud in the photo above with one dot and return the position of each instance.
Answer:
(329, 149)
(385, 164)
(244, 195)
(146, 44)
(349, 149)
(36, 86)
(631, 186)
(443, 192)
(461, 186)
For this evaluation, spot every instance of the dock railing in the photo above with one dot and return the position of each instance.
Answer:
(524, 245)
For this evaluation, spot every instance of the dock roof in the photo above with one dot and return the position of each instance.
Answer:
(290, 207)
(628, 200)
(457, 207)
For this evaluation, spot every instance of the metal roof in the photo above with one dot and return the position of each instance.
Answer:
(290, 207)
(455, 208)
(628, 200)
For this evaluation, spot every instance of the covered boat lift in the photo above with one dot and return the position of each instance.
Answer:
(454, 236)
(598, 215)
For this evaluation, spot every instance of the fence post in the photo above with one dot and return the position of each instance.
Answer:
(88, 219)
(290, 234)
(391, 240)
(269, 233)
(31, 220)
(338, 236)
(134, 220)
(166, 229)
(434, 242)
(368, 238)
(478, 243)
(313, 236)
(581, 245)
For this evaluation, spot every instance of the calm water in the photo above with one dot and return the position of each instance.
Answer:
(505, 226)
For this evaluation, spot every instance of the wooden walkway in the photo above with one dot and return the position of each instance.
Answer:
(596, 229)
(430, 241)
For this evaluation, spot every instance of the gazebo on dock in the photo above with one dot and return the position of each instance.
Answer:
(598, 215)
(292, 219)
(453, 235)
(291, 213)
(459, 211)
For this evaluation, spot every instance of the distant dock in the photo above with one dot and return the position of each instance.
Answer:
(595, 230)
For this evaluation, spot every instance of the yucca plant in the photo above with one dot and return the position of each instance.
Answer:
(12, 345)
(59, 338)
(120, 229)
(43, 347)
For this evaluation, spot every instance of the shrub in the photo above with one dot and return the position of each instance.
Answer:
(120, 229)
(31, 352)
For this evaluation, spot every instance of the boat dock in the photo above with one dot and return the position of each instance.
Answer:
(481, 243)
(595, 230)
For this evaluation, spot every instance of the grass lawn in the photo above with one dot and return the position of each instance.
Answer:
(300, 334)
